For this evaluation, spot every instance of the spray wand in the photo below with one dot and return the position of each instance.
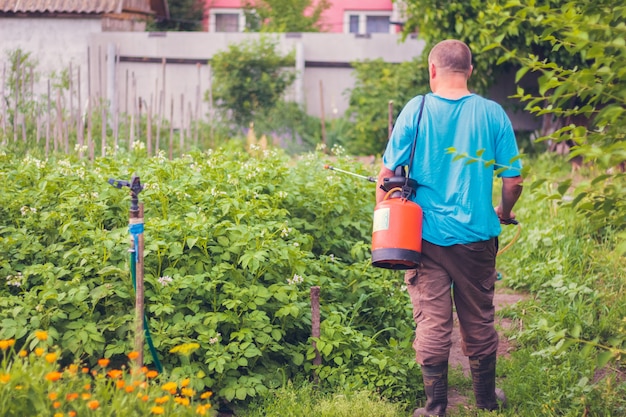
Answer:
(332, 168)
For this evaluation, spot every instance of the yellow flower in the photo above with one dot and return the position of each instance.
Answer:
(188, 392)
(5, 378)
(157, 410)
(162, 400)
(152, 374)
(56, 404)
(51, 357)
(170, 386)
(120, 383)
(184, 382)
(207, 394)
(39, 351)
(22, 353)
(85, 396)
(182, 400)
(41, 335)
(133, 355)
(103, 362)
(93, 404)
(73, 369)
(5, 344)
(71, 396)
(53, 396)
(203, 409)
(58, 414)
(53, 376)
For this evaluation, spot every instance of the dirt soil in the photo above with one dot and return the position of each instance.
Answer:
(503, 298)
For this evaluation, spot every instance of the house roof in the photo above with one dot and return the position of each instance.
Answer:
(61, 6)
(159, 7)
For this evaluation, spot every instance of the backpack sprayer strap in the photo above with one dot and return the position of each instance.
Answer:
(406, 189)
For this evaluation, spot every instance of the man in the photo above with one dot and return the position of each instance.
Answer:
(460, 225)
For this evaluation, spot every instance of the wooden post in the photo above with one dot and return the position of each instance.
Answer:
(171, 152)
(197, 112)
(4, 107)
(149, 127)
(136, 218)
(181, 128)
(322, 115)
(17, 94)
(80, 126)
(315, 327)
(389, 118)
(48, 122)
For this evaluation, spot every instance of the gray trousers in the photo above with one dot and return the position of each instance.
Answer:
(471, 269)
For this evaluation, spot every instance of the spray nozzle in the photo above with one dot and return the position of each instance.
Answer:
(135, 188)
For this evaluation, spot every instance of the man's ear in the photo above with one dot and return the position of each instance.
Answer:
(469, 73)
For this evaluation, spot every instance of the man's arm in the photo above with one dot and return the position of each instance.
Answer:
(511, 191)
(384, 173)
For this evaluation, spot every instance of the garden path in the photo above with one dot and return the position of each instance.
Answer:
(504, 297)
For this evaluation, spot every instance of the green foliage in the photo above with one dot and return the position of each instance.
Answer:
(250, 79)
(274, 16)
(185, 16)
(377, 83)
(232, 245)
(306, 400)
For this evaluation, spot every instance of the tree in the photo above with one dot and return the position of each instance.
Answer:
(285, 15)
(185, 16)
(250, 78)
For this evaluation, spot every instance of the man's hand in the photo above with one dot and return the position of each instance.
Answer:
(511, 190)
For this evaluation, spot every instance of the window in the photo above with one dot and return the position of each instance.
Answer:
(226, 20)
(368, 22)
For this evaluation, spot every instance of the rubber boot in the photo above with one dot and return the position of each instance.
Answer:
(488, 397)
(436, 388)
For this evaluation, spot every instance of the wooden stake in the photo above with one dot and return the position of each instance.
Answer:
(389, 118)
(80, 122)
(315, 327)
(149, 127)
(322, 115)
(136, 217)
(4, 106)
(48, 122)
(197, 112)
(181, 128)
(171, 152)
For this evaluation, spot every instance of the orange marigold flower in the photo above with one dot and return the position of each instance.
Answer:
(53, 396)
(85, 370)
(93, 404)
(152, 374)
(145, 398)
(129, 388)
(51, 357)
(53, 376)
(22, 353)
(115, 373)
(185, 382)
(188, 392)
(39, 351)
(56, 404)
(58, 414)
(207, 394)
(182, 400)
(85, 396)
(5, 378)
(120, 383)
(104, 362)
(71, 396)
(144, 369)
(162, 400)
(72, 369)
(41, 335)
(133, 355)
(72, 413)
(157, 410)
(87, 387)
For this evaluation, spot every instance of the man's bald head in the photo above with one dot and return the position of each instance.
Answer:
(451, 56)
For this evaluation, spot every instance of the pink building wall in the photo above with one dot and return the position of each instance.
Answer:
(333, 19)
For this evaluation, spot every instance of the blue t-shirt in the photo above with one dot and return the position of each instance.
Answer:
(455, 196)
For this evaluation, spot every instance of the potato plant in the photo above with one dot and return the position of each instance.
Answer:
(233, 243)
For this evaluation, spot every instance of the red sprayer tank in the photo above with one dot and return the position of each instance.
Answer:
(397, 232)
